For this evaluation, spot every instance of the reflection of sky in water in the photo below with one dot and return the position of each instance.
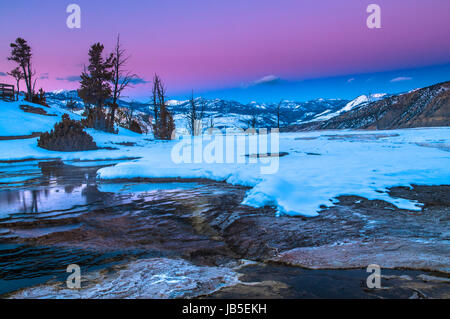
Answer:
(37, 194)
(50, 190)
(57, 199)
(126, 188)
(92, 163)
(40, 200)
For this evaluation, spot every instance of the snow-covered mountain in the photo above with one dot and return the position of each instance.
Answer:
(425, 107)
(359, 101)
(224, 113)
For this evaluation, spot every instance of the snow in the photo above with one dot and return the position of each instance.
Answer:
(319, 167)
(358, 164)
(59, 91)
(349, 106)
(362, 99)
(175, 102)
(17, 122)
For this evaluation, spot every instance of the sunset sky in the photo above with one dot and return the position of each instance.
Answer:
(262, 50)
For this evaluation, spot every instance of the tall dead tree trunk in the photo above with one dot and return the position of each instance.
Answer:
(195, 115)
(121, 78)
(164, 125)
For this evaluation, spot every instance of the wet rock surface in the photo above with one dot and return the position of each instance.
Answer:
(54, 214)
(354, 233)
(280, 281)
(154, 278)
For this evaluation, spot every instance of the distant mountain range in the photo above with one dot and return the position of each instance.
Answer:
(227, 113)
(428, 106)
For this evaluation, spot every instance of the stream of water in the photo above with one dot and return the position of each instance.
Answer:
(54, 214)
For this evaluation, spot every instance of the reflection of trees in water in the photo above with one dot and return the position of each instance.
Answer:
(69, 189)
(54, 173)
(9, 196)
(34, 205)
(27, 200)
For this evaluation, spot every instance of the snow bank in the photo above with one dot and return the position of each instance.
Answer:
(317, 170)
(14, 121)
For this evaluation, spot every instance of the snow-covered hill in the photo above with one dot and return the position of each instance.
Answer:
(425, 107)
(22, 118)
(359, 101)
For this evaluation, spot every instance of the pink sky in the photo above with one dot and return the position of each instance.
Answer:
(208, 45)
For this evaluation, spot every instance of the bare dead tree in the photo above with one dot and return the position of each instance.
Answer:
(164, 124)
(129, 112)
(158, 96)
(195, 115)
(192, 114)
(121, 78)
(202, 103)
(253, 121)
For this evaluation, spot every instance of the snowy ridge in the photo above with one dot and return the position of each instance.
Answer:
(359, 101)
(362, 99)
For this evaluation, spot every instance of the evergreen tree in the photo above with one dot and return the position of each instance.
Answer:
(95, 86)
(67, 136)
(21, 54)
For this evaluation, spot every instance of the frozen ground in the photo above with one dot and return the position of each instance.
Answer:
(318, 167)
(146, 278)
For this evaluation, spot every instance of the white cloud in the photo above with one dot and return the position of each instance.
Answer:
(401, 78)
(350, 80)
(267, 79)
